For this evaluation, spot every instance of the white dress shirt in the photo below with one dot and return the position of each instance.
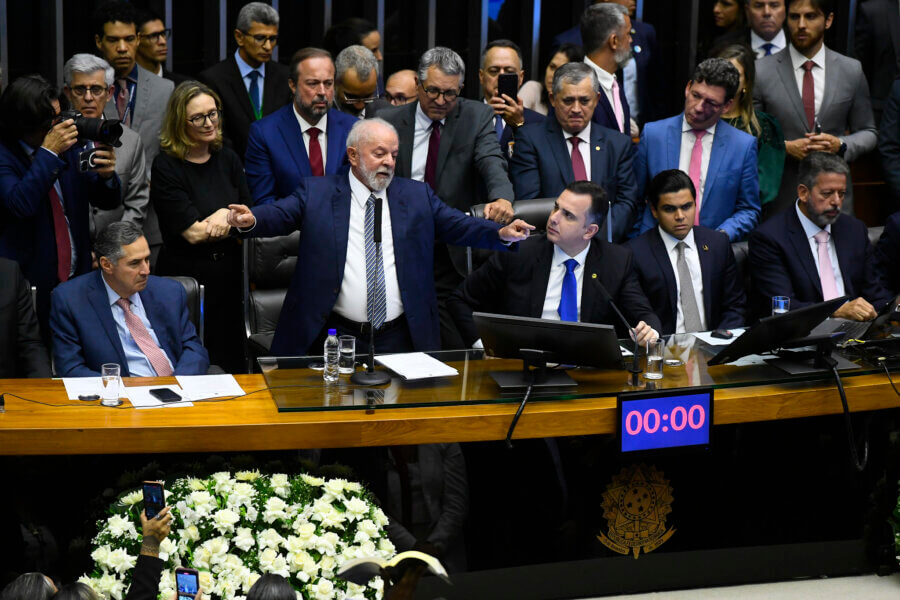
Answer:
(687, 147)
(606, 81)
(322, 126)
(584, 147)
(555, 282)
(421, 136)
(811, 229)
(692, 258)
(351, 301)
(138, 363)
(818, 73)
(778, 43)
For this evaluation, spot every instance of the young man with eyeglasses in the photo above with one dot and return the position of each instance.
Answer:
(250, 84)
(153, 45)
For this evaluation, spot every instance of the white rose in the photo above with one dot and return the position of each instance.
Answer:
(327, 565)
(380, 517)
(280, 484)
(360, 537)
(367, 548)
(294, 544)
(206, 580)
(386, 547)
(217, 547)
(192, 533)
(304, 529)
(323, 589)
(121, 561)
(247, 475)
(233, 562)
(349, 553)
(252, 514)
(201, 558)
(352, 486)
(270, 539)
(131, 499)
(356, 508)
(376, 583)
(275, 509)
(195, 484)
(243, 538)
(368, 527)
(251, 578)
(313, 481)
(355, 591)
(167, 548)
(241, 494)
(225, 520)
(335, 487)
(118, 526)
(267, 559)
(101, 556)
(327, 543)
(111, 586)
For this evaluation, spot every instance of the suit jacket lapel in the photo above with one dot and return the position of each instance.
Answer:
(153, 306)
(673, 142)
(716, 159)
(340, 210)
(598, 165)
(707, 268)
(271, 102)
(293, 138)
(238, 89)
(786, 72)
(559, 149)
(802, 248)
(447, 132)
(336, 147)
(397, 206)
(593, 266)
(540, 278)
(844, 250)
(661, 255)
(142, 102)
(100, 303)
(832, 69)
(407, 134)
(604, 106)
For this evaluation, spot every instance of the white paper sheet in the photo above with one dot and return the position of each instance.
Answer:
(750, 360)
(416, 365)
(200, 387)
(85, 386)
(140, 397)
(707, 337)
(625, 351)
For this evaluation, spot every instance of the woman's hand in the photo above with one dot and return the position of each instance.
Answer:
(217, 225)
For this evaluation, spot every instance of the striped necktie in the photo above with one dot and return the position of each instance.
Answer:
(376, 303)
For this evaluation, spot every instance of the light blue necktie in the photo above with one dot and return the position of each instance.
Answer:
(768, 48)
(376, 304)
(254, 93)
(568, 301)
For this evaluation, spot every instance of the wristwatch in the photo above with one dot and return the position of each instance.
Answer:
(842, 149)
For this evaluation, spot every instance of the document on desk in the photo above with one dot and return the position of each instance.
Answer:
(140, 397)
(707, 337)
(416, 365)
(87, 386)
(201, 387)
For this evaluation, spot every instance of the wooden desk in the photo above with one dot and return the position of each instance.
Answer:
(254, 423)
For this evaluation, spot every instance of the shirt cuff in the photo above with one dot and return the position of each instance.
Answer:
(50, 151)
(248, 229)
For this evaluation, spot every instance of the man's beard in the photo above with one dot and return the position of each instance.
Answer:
(624, 56)
(312, 110)
(372, 180)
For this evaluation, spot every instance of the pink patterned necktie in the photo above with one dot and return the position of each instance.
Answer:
(695, 168)
(144, 341)
(617, 105)
(826, 269)
(578, 167)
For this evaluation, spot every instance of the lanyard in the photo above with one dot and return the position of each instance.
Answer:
(129, 107)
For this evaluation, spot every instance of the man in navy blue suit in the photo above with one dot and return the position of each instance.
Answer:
(606, 32)
(641, 74)
(811, 252)
(344, 279)
(568, 147)
(688, 272)
(720, 160)
(301, 139)
(44, 197)
(122, 314)
(504, 57)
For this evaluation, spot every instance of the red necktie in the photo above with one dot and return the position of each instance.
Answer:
(144, 340)
(809, 95)
(315, 152)
(61, 233)
(577, 161)
(434, 144)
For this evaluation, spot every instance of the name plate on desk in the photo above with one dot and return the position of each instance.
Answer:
(665, 419)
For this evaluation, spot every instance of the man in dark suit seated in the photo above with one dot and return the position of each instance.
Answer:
(568, 147)
(559, 275)
(304, 138)
(811, 252)
(122, 314)
(688, 272)
(504, 57)
(344, 279)
(250, 84)
(887, 254)
(22, 354)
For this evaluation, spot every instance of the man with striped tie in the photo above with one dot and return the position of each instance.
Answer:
(122, 314)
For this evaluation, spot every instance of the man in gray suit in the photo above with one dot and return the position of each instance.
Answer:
(138, 96)
(88, 86)
(819, 96)
(451, 144)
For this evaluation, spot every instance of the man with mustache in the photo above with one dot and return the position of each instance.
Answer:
(813, 252)
(302, 139)
(343, 279)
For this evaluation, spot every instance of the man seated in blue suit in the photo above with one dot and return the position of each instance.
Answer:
(347, 281)
(122, 314)
(301, 139)
(688, 272)
(504, 57)
(606, 32)
(568, 147)
(720, 160)
(811, 252)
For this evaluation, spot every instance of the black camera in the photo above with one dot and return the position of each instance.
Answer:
(105, 131)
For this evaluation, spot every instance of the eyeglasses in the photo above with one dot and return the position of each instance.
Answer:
(433, 93)
(154, 37)
(81, 90)
(262, 39)
(494, 71)
(396, 98)
(200, 120)
(353, 99)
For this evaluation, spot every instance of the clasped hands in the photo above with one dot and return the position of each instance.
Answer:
(813, 142)
(217, 225)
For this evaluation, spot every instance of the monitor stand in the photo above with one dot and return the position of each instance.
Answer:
(812, 361)
(534, 373)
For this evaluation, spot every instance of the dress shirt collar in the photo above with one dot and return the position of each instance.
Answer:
(322, 125)
(423, 121)
(798, 59)
(245, 69)
(779, 41)
(113, 297)
(584, 135)
(685, 126)
(606, 79)
(361, 192)
(809, 228)
(671, 241)
(559, 257)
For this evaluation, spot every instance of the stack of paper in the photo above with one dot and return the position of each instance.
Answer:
(416, 365)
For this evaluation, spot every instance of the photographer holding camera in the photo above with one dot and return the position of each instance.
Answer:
(44, 197)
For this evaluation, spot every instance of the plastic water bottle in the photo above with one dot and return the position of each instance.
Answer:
(331, 355)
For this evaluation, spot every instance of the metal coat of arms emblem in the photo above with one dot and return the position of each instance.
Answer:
(635, 506)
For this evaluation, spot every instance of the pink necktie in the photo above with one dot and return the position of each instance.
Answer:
(577, 161)
(144, 341)
(694, 169)
(617, 105)
(826, 270)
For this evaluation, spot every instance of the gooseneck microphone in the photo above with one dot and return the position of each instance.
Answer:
(376, 235)
(635, 367)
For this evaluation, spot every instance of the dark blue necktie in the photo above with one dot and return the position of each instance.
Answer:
(254, 92)
(568, 301)
(498, 125)
(768, 48)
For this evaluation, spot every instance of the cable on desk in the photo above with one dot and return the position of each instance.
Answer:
(512, 426)
(888, 373)
(854, 456)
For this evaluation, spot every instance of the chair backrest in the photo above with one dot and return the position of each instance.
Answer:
(535, 211)
(196, 295)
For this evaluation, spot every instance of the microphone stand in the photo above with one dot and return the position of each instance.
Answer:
(635, 368)
(371, 377)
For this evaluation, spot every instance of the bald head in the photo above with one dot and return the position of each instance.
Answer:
(400, 88)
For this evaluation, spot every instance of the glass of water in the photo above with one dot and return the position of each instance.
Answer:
(347, 354)
(780, 304)
(109, 375)
(655, 352)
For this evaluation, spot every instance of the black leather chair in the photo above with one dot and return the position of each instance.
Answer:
(269, 264)
(535, 211)
(196, 296)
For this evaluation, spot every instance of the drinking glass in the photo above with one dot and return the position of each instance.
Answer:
(780, 304)
(655, 352)
(347, 353)
(109, 374)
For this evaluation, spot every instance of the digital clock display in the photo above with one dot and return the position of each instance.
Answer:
(665, 419)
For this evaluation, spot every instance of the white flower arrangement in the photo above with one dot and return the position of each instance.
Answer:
(235, 528)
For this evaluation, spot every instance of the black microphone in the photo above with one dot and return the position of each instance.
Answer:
(635, 368)
(377, 232)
